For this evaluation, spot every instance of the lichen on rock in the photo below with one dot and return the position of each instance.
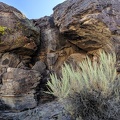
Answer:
(2, 30)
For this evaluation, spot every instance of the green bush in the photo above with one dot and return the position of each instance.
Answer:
(92, 89)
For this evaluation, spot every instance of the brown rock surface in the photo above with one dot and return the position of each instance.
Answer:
(18, 33)
(55, 48)
(79, 26)
(89, 24)
(19, 39)
(9, 60)
(50, 40)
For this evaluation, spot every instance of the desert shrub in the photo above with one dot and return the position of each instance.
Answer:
(92, 89)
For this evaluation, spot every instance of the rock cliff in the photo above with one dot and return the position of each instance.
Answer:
(31, 49)
(19, 40)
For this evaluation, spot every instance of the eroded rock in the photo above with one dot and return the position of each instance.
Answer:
(9, 60)
(18, 88)
(54, 47)
(88, 24)
(40, 67)
(18, 33)
(49, 111)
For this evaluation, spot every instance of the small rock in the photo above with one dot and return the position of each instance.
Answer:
(51, 58)
(39, 66)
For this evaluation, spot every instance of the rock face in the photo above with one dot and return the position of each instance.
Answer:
(90, 25)
(79, 26)
(83, 23)
(17, 32)
(55, 48)
(19, 40)
(78, 21)
(31, 49)
(50, 111)
(18, 88)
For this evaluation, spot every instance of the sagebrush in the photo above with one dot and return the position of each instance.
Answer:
(92, 89)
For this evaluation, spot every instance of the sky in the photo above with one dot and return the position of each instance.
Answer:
(34, 9)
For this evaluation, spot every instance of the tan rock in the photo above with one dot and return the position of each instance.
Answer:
(18, 33)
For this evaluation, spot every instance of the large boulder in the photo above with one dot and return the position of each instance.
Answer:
(19, 40)
(79, 26)
(19, 88)
(17, 33)
(90, 24)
